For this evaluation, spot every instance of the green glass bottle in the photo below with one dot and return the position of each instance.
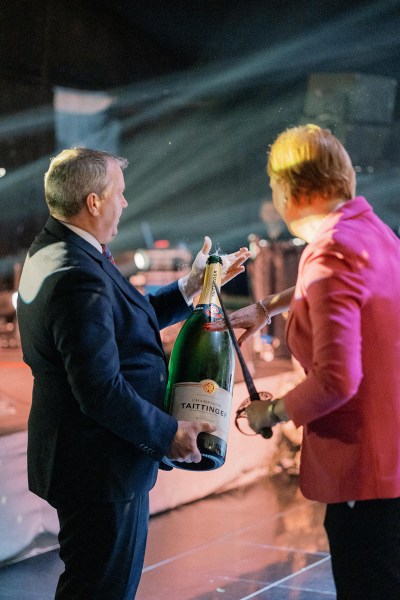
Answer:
(201, 373)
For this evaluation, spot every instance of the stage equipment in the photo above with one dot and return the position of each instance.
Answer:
(358, 109)
(273, 269)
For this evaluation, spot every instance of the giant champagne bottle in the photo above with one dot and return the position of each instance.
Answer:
(201, 374)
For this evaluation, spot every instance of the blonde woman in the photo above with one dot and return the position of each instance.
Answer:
(344, 329)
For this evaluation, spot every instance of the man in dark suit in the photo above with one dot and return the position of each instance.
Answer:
(96, 430)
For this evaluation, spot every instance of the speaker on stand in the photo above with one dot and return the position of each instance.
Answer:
(358, 108)
(273, 269)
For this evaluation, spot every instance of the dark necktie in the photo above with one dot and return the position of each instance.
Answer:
(107, 253)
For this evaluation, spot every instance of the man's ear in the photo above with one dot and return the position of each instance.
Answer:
(93, 203)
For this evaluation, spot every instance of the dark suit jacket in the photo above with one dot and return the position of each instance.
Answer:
(95, 430)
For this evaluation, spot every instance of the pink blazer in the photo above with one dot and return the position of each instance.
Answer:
(344, 328)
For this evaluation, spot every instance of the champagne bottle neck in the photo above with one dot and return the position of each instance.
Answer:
(212, 276)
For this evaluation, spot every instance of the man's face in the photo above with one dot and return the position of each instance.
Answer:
(112, 202)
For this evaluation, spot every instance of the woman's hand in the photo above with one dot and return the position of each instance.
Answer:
(251, 318)
(257, 415)
(264, 415)
(254, 316)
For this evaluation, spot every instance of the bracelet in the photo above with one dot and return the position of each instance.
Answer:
(265, 310)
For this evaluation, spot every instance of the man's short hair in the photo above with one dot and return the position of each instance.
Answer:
(73, 175)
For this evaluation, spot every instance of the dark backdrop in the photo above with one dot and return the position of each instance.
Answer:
(201, 89)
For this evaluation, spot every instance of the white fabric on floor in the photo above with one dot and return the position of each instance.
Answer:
(23, 515)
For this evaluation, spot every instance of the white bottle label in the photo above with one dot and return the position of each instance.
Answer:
(203, 401)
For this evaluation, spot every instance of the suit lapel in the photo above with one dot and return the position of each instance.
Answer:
(59, 230)
(129, 290)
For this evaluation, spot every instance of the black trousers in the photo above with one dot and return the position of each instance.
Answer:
(102, 546)
(365, 549)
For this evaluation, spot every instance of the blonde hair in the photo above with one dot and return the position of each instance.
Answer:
(311, 160)
(73, 175)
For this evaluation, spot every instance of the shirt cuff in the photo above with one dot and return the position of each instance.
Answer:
(182, 288)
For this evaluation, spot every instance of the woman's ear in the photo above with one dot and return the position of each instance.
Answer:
(287, 193)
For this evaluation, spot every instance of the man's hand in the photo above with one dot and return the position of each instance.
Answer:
(232, 265)
(184, 445)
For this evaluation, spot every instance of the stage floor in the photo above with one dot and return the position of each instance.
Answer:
(262, 541)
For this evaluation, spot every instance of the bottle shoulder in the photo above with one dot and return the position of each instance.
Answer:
(210, 312)
(194, 326)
